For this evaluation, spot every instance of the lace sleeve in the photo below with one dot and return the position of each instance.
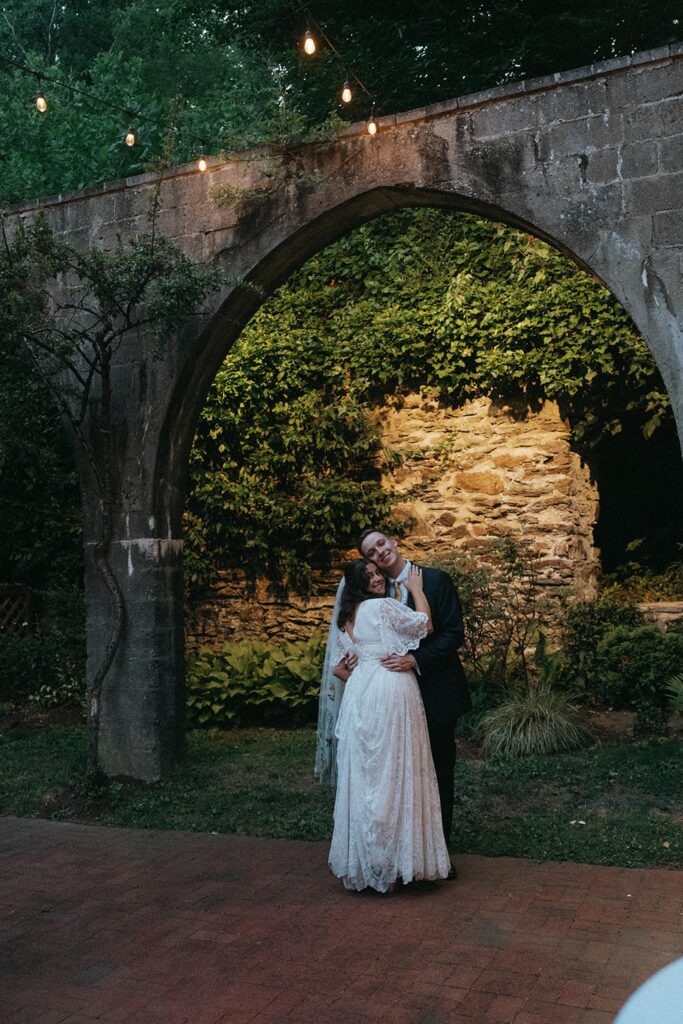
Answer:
(401, 628)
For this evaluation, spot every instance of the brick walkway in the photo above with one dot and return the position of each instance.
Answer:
(165, 927)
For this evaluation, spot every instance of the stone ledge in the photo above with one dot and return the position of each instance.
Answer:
(468, 101)
(661, 613)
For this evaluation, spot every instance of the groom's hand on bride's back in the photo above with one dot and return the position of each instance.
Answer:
(398, 662)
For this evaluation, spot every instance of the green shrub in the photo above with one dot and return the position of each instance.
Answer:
(68, 689)
(538, 720)
(28, 660)
(249, 682)
(584, 626)
(633, 667)
(47, 660)
(499, 593)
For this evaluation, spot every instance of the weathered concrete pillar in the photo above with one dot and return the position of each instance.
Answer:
(141, 702)
(142, 698)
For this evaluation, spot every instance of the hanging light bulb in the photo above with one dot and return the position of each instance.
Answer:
(41, 102)
(130, 137)
(309, 43)
(372, 124)
(346, 94)
(201, 164)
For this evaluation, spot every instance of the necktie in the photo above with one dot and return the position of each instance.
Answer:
(398, 593)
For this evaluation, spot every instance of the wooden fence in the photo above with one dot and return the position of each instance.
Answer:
(15, 608)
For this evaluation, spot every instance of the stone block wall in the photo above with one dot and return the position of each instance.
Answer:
(461, 477)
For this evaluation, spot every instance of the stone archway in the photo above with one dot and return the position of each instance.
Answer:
(589, 160)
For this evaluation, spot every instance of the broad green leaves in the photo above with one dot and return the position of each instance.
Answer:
(250, 681)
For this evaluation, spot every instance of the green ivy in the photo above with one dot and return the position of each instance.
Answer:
(286, 463)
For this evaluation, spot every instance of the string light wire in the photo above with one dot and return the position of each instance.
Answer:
(346, 94)
(302, 8)
(131, 115)
(130, 139)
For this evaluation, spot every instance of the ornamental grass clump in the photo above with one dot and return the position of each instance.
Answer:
(535, 721)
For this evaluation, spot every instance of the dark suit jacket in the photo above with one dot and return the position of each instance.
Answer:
(441, 677)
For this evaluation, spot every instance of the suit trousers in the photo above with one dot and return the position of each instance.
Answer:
(442, 742)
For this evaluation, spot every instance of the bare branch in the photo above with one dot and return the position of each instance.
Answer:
(81, 307)
(76, 426)
(49, 32)
(64, 361)
(14, 35)
(85, 396)
(70, 339)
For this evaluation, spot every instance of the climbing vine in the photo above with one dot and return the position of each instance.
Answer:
(285, 463)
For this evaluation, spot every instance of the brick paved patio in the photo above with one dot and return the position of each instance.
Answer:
(169, 927)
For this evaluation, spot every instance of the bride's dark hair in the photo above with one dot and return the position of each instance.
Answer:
(355, 590)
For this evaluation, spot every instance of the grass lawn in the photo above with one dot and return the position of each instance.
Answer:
(260, 782)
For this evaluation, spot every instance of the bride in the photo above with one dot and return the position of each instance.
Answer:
(387, 816)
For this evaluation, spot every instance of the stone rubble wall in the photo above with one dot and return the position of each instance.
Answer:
(462, 478)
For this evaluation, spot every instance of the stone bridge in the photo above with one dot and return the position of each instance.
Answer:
(591, 161)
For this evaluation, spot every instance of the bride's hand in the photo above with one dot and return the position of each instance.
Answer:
(345, 666)
(414, 580)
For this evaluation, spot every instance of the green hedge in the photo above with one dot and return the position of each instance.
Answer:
(634, 668)
(613, 658)
(251, 681)
(585, 625)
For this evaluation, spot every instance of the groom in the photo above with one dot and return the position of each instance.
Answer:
(436, 663)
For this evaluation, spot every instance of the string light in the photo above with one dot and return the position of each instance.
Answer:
(309, 43)
(310, 46)
(130, 138)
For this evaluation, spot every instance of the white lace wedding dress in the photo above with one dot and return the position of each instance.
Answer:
(387, 817)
